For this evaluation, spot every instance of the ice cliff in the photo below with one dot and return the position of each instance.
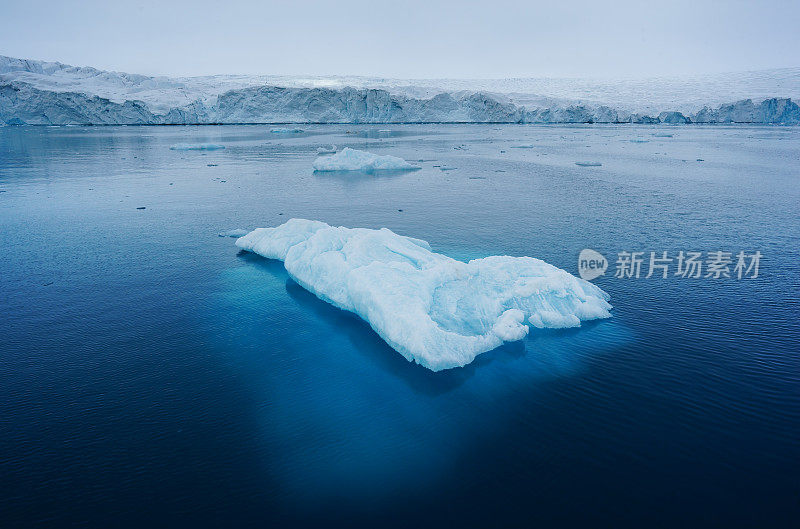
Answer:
(434, 310)
(41, 93)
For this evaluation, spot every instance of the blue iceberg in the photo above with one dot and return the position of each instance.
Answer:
(432, 309)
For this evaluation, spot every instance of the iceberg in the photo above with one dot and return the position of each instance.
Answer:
(196, 147)
(326, 149)
(354, 160)
(432, 309)
(234, 233)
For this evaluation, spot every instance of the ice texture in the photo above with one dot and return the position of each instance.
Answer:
(196, 147)
(354, 160)
(432, 309)
(51, 93)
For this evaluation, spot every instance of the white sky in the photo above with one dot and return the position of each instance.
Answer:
(414, 39)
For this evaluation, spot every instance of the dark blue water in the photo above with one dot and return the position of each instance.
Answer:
(150, 375)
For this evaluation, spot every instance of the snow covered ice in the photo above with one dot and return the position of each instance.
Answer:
(48, 93)
(432, 309)
(354, 160)
(196, 147)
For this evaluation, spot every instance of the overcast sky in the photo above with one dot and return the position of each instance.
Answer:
(422, 39)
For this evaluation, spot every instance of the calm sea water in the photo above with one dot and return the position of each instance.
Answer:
(152, 375)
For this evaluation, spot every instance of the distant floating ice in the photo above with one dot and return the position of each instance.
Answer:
(234, 233)
(526, 146)
(432, 309)
(639, 141)
(196, 147)
(286, 131)
(662, 135)
(354, 160)
(589, 164)
(326, 149)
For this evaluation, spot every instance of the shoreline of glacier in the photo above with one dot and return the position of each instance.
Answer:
(44, 93)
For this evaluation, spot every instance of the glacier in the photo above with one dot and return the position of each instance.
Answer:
(48, 93)
(354, 160)
(434, 310)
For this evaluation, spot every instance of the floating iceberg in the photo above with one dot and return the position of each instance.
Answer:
(354, 160)
(196, 147)
(234, 233)
(434, 310)
(589, 164)
(326, 149)
(286, 131)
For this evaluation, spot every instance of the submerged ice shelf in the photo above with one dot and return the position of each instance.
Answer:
(432, 309)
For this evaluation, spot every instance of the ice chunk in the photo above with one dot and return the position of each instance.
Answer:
(286, 131)
(326, 149)
(196, 147)
(234, 233)
(589, 164)
(354, 160)
(432, 309)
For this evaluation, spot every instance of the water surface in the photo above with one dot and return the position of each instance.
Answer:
(151, 374)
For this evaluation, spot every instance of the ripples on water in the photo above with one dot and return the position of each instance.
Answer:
(152, 374)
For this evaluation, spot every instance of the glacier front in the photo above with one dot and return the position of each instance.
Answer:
(48, 93)
(432, 309)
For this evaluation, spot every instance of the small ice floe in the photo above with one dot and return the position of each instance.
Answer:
(524, 146)
(639, 141)
(384, 131)
(286, 131)
(662, 135)
(589, 164)
(326, 149)
(234, 233)
(448, 168)
(196, 147)
(354, 160)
